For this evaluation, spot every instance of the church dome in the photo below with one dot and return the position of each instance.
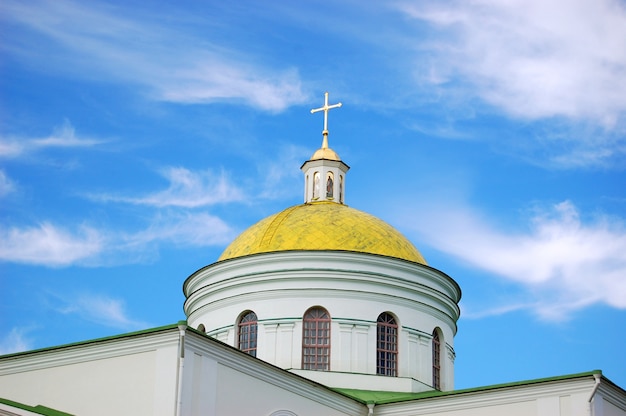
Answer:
(325, 153)
(323, 226)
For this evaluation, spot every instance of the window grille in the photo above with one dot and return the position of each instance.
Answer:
(436, 361)
(248, 333)
(387, 346)
(316, 340)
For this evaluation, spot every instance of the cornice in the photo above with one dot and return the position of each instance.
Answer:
(270, 261)
(88, 351)
(488, 397)
(612, 393)
(328, 293)
(331, 272)
(355, 288)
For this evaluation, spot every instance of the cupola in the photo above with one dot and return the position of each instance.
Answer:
(324, 173)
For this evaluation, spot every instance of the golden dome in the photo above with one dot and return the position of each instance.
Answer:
(323, 226)
(325, 153)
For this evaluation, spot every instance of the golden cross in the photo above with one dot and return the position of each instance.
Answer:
(325, 109)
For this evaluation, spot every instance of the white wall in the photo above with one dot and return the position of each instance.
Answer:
(117, 377)
(219, 380)
(565, 397)
(355, 288)
(146, 374)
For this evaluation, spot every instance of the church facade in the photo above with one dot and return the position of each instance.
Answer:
(178, 370)
(320, 309)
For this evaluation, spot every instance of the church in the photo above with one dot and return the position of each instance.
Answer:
(320, 309)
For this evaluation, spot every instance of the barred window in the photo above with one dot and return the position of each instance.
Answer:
(316, 340)
(387, 345)
(436, 360)
(248, 333)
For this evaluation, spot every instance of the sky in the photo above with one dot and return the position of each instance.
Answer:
(137, 141)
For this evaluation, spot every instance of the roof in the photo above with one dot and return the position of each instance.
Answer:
(325, 153)
(39, 409)
(148, 331)
(323, 226)
(385, 397)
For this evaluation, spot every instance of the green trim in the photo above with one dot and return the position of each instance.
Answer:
(96, 340)
(39, 409)
(262, 321)
(288, 319)
(356, 321)
(385, 397)
(417, 330)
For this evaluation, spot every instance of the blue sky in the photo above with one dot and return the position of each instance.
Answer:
(137, 141)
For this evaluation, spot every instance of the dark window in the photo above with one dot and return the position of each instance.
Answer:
(387, 345)
(247, 333)
(341, 188)
(316, 340)
(436, 361)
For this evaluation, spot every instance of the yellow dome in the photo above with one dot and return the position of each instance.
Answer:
(325, 153)
(323, 226)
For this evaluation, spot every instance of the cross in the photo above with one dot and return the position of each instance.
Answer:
(325, 109)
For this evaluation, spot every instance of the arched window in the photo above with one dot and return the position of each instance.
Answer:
(387, 345)
(306, 188)
(247, 333)
(316, 185)
(436, 360)
(341, 189)
(202, 328)
(330, 184)
(316, 339)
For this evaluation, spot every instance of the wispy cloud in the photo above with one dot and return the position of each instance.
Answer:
(560, 65)
(565, 263)
(100, 309)
(534, 58)
(62, 136)
(186, 189)
(16, 340)
(49, 245)
(90, 40)
(6, 185)
(182, 229)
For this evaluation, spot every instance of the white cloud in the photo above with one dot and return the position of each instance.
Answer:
(16, 341)
(206, 84)
(53, 246)
(533, 58)
(49, 245)
(185, 229)
(186, 189)
(95, 41)
(6, 184)
(10, 147)
(102, 310)
(62, 136)
(564, 263)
